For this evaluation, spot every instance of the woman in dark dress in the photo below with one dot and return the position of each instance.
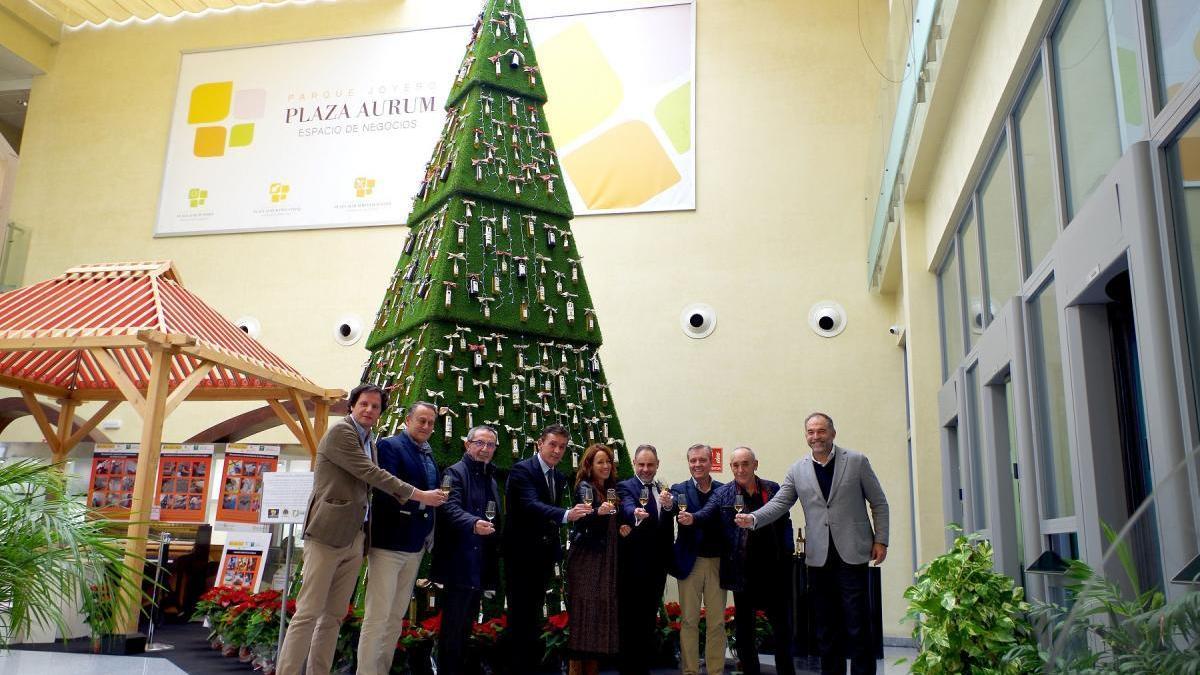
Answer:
(592, 565)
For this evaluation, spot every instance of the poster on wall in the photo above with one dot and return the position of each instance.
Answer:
(242, 561)
(336, 132)
(718, 460)
(240, 499)
(181, 494)
(110, 484)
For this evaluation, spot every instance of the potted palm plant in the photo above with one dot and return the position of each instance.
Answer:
(54, 552)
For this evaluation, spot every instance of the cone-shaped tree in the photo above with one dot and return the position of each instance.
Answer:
(488, 314)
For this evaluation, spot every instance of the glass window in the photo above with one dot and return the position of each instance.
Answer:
(1184, 166)
(1099, 92)
(977, 494)
(999, 231)
(1010, 418)
(1054, 459)
(951, 299)
(1176, 38)
(972, 280)
(1037, 186)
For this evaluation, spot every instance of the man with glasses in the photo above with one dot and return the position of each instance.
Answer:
(400, 535)
(532, 547)
(466, 557)
(344, 472)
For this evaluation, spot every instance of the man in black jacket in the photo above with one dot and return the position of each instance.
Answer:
(465, 555)
(643, 559)
(531, 543)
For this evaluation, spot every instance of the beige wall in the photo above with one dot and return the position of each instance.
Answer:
(787, 116)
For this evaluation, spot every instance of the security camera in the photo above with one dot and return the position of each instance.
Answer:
(347, 330)
(894, 329)
(698, 320)
(249, 325)
(827, 318)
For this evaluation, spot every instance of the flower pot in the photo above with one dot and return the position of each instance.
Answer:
(245, 654)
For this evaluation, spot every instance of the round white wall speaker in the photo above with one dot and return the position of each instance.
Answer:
(347, 330)
(698, 320)
(250, 326)
(827, 318)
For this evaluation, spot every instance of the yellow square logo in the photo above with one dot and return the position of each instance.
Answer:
(210, 102)
(279, 192)
(210, 142)
(363, 186)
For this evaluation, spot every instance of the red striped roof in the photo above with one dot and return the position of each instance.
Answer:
(123, 299)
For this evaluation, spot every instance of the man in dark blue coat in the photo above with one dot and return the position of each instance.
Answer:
(465, 556)
(697, 566)
(756, 566)
(642, 561)
(531, 545)
(400, 535)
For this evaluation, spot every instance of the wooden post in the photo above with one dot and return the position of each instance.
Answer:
(143, 487)
(320, 421)
(66, 422)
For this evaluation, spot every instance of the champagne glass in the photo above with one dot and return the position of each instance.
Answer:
(445, 487)
(585, 494)
(644, 497)
(739, 503)
(681, 502)
(489, 511)
(611, 496)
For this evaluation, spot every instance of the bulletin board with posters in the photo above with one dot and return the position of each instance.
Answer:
(181, 494)
(240, 498)
(242, 561)
(114, 472)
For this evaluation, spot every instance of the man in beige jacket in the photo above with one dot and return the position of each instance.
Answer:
(334, 536)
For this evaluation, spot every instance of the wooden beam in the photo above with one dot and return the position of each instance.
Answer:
(90, 424)
(35, 409)
(321, 418)
(19, 344)
(143, 487)
(33, 386)
(165, 339)
(290, 423)
(305, 422)
(119, 378)
(185, 388)
(66, 421)
(257, 370)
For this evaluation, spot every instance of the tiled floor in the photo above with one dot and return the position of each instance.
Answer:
(18, 662)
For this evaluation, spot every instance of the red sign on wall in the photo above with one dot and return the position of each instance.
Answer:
(718, 460)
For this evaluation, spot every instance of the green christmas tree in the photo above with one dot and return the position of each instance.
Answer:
(488, 314)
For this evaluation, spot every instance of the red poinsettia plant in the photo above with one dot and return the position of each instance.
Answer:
(555, 633)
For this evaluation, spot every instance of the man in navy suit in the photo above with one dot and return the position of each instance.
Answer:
(532, 546)
(755, 564)
(465, 557)
(400, 535)
(698, 569)
(642, 561)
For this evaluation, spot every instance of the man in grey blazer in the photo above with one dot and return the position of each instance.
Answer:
(344, 473)
(834, 485)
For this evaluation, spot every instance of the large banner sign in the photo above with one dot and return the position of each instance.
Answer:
(335, 133)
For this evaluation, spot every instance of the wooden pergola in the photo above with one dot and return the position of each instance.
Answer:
(131, 332)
